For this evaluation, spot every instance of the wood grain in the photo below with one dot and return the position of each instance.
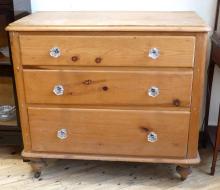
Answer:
(14, 40)
(114, 158)
(109, 132)
(175, 51)
(111, 21)
(197, 94)
(106, 73)
(104, 87)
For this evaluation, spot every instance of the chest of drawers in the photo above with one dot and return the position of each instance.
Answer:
(120, 86)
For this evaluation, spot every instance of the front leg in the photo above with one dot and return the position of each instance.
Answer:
(37, 166)
(183, 171)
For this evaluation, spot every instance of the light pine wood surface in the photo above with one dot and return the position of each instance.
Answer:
(20, 90)
(113, 50)
(86, 133)
(110, 21)
(105, 87)
(96, 175)
(102, 86)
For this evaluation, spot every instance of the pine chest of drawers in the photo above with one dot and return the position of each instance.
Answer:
(121, 86)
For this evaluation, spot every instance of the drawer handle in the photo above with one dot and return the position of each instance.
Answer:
(154, 53)
(152, 137)
(153, 91)
(58, 90)
(62, 134)
(55, 52)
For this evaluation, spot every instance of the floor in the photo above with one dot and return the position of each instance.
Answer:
(96, 175)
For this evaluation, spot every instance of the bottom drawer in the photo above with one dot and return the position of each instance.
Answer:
(109, 132)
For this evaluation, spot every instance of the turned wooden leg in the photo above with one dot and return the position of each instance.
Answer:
(183, 171)
(37, 166)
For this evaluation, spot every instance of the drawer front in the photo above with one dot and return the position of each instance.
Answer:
(171, 51)
(109, 132)
(89, 87)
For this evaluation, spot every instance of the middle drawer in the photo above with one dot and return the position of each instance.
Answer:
(101, 87)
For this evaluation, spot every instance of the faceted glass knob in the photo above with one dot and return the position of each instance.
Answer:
(58, 90)
(154, 53)
(152, 137)
(55, 52)
(153, 91)
(62, 134)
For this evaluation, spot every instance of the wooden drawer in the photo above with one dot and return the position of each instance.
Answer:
(175, 51)
(109, 132)
(101, 87)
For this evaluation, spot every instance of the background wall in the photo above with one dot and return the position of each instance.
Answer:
(205, 8)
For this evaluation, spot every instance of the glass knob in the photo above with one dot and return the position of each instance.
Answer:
(154, 53)
(152, 137)
(55, 52)
(58, 90)
(153, 91)
(62, 134)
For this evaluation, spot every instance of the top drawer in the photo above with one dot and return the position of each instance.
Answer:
(144, 51)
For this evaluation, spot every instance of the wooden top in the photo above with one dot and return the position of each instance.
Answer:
(110, 21)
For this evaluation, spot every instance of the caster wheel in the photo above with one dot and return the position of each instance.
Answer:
(37, 174)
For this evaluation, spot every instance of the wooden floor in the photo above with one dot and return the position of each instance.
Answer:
(96, 175)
